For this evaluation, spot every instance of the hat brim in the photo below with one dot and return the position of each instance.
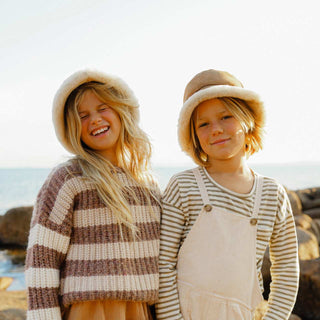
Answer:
(217, 91)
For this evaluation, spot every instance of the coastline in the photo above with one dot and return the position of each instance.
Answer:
(306, 209)
(13, 305)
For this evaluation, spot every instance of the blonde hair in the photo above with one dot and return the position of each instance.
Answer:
(244, 114)
(133, 151)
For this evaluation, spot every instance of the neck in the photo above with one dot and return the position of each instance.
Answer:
(232, 166)
(111, 157)
(233, 174)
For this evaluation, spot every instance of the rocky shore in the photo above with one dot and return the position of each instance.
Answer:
(14, 229)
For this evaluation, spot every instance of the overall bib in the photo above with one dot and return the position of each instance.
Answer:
(216, 269)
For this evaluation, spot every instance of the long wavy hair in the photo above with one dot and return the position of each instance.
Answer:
(133, 152)
(242, 112)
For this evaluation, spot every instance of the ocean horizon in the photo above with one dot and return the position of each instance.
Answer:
(20, 186)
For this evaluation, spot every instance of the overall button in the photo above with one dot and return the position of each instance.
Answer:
(208, 207)
(253, 221)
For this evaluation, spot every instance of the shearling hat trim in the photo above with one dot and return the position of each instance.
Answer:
(74, 81)
(231, 88)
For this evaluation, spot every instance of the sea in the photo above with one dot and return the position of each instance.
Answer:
(19, 187)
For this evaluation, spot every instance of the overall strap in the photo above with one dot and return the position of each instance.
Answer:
(257, 200)
(201, 185)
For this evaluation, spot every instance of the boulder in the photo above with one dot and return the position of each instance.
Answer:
(5, 282)
(308, 300)
(295, 202)
(13, 301)
(305, 222)
(316, 228)
(17, 256)
(15, 225)
(314, 213)
(310, 198)
(308, 246)
(13, 314)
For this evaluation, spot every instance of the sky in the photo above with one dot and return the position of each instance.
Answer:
(272, 47)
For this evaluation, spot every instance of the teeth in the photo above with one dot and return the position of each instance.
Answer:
(100, 131)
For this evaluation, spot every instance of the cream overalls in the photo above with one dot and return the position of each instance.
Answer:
(216, 269)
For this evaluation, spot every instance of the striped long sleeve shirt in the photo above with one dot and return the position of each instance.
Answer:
(181, 205)
(76, 252)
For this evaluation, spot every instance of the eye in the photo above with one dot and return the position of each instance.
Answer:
(103, 108)
(227, 117)
(83, 116)
(201, 125)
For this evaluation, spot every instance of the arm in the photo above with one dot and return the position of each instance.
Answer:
(48, 244)
(172, 225)
(285, 262)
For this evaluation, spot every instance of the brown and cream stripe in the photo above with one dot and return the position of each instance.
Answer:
(76, 251)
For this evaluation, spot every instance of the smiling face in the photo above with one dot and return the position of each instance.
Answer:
(220, 134)
(100, 126)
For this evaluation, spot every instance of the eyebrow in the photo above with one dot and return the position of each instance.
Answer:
(219, 113)
(99, 105)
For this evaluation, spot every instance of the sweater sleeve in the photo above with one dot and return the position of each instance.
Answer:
(285, 262)
(172, 225)
(48, 244)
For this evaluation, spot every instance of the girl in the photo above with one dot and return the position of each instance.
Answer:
(218, 219)
(94, 237)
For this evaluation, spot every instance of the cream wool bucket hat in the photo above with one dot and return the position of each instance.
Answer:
(210, 84)
(75, 80)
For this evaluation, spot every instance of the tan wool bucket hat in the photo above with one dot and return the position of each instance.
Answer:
(210, 84)
(75, 80)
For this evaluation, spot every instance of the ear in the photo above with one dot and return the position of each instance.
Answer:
(247, 141)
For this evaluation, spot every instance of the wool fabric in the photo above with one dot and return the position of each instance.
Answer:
(76, 252)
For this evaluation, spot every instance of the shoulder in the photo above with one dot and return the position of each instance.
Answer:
(271, 185)
(274, 192)
(183, 177)
(62, 175)
(180, 182)
(153, 186)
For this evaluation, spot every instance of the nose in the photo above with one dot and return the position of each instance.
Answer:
(96, 119)
(216, 128)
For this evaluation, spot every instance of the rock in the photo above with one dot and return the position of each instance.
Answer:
(13, 300)
(310, 198)
(13, 314)
(308, 300)
(305, 222)
(14, 226)
(5, 283)
(17, 256)
(308, 246)
(295, 202)
(317, 228)
(314, 213)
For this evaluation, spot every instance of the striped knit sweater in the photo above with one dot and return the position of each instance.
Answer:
(181, 205)
(76, 253)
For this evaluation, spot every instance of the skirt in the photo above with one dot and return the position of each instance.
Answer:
(108, 310)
